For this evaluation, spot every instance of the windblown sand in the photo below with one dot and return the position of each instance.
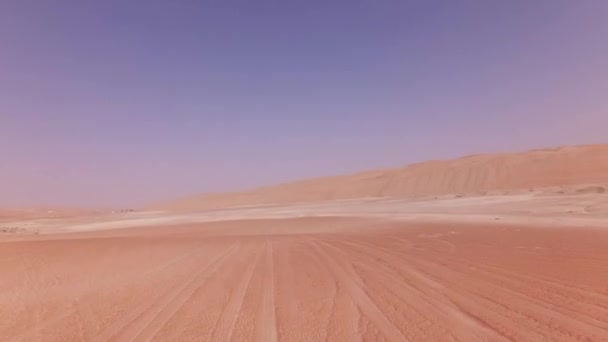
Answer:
(307, 279)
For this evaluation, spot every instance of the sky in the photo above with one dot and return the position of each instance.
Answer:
(121, 103)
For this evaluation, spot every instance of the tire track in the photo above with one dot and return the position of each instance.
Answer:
(565, 294)
(488, 302)
(266, 329)
(436, 302)
(148, 331)
(498, 282)
(511, 283)
(225, 326)
(585, 297)
(44, 324)
(403, 305)
(548, 313)
(328, 318)
(121, 323)
(144, 314)
(540, 308)
(592, 297)
(355, 287)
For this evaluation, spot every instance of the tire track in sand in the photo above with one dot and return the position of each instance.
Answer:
(436, 302)
(42, 325)
(333, 325)
(572, 326)
(149, 331)
(135, 323)
(266, 329)
(355, 287)
(570, 319)
(225, 325)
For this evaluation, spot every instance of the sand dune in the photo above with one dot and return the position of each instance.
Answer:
(528, 266)
(471, 175)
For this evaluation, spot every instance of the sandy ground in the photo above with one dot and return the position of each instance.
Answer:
(549, 207)
(307, 279)
(527, 266)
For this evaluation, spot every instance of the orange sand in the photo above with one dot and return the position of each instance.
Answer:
(474, 175)
(269, 280)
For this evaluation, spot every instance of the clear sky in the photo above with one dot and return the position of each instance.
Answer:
(125, 102)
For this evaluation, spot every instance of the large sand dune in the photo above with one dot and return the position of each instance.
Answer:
(472, 175)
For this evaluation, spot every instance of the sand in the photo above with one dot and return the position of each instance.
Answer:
(560, 206)
(474, 175)
(307, 279)
(509, 247)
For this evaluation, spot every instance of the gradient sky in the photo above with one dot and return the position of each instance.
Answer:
(128, 102)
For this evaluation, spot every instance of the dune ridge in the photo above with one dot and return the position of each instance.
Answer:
(474, 174)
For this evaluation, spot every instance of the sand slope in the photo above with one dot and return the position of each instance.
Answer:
(477, 174)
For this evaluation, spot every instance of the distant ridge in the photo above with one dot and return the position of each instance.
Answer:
(474, 174)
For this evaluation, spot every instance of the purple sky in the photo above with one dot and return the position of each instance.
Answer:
(128, 102)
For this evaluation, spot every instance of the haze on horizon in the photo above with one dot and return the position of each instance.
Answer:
(115, 103)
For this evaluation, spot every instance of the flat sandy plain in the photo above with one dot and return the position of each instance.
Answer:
(525, 267)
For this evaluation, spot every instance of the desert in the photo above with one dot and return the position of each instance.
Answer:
(303, 171)
(512, 264)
